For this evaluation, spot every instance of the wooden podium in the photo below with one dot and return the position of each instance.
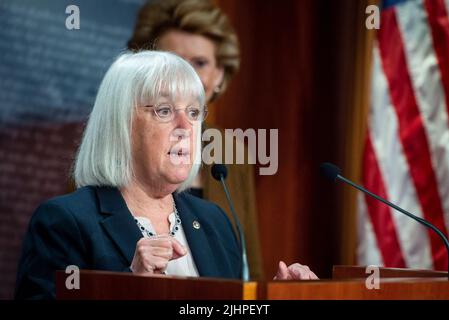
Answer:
(348, 282)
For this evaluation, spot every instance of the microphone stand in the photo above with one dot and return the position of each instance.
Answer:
(245, 271)
(408, 214)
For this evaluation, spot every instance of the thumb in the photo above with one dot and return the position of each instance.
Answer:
(178, 249)
(282, 273)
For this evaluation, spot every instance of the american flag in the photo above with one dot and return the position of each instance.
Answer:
(406, 156)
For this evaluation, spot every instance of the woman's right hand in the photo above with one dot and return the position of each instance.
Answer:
(295, 271)
(153, 254)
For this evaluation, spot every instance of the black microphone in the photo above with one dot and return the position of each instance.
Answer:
(332, 172)
(220, 172)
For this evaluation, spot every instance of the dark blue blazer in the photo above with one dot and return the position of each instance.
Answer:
(92, 228)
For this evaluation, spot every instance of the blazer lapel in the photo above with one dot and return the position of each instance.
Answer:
(197, 238)
(118, 223)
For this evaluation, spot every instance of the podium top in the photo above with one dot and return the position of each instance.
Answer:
(100, 285)
(357, 272)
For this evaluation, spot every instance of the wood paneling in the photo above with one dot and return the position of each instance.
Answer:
(104, 285)
(299, 74)
(390, 289)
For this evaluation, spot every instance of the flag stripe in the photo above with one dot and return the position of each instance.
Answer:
(439, 24)
(399, 187)
(411, 129)
(379, 213)
(368, 252)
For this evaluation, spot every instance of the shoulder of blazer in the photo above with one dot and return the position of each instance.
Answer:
(80, 207)
(79, 199)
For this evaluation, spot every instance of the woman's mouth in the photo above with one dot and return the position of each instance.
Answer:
(179, 152)
(179, 155)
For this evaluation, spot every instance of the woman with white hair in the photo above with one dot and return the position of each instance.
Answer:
(141, 148)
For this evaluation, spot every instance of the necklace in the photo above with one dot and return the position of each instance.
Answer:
(173, 230)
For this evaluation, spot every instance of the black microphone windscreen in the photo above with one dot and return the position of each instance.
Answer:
(219, 170)
(330, 171)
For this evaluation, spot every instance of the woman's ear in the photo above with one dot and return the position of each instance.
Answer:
(218, 76)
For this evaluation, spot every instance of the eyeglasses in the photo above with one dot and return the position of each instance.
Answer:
(165, 112)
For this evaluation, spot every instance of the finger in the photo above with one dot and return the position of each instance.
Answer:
(146, 243)
(142, 244)
(298, 273)
(178, 249)
(148, 258)
(298, 265)
(164, 242)
(301, 272)
(282, 273)
(137, 265)
(150, 251)
(142, 241)
(165, 253)
(146, 264)
(149, 269)
(144, 269)
(161, 265)
(157, 271)
(156, 263)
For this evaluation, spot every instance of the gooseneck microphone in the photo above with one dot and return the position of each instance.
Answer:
(220, 172)
(332, 172)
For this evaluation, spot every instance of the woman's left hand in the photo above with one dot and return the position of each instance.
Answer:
(295, 271)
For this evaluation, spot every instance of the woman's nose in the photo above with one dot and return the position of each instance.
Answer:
(181, 119)
(181, 134)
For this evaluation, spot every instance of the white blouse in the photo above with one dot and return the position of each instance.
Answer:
(183, 266)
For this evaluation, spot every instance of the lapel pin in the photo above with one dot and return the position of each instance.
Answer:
(196, 224)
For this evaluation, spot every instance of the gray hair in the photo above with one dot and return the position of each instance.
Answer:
(105, 155)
